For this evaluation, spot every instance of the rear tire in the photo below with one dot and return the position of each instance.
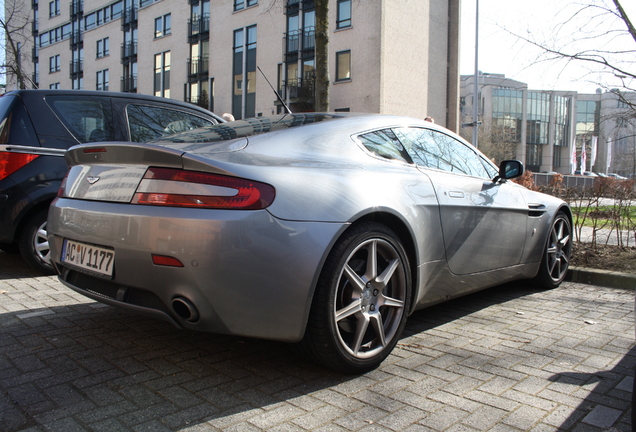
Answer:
(34, 244)
(361, 302)
(556, 253)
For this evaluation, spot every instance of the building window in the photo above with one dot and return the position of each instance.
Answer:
(102, 80)
(54, 8)
(242, 4)
(344, 14)
(343, 65)
(162, 26)
(54, 86)
(244, 71)
(102, 48)
(162, 74)
(54, 63)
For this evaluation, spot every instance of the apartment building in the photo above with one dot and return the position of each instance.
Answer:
(384, 56)
(544, 129)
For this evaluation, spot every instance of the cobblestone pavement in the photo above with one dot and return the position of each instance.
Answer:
(505, 359)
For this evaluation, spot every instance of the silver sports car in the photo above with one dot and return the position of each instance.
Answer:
(323, 229)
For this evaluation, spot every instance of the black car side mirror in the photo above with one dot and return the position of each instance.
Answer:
(509, 169)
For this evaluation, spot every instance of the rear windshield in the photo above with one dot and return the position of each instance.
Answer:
(90, 119)
(15, 124)
(246, 128)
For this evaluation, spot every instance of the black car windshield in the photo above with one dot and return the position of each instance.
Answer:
(245, 128)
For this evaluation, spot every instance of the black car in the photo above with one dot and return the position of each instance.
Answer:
(36, 128)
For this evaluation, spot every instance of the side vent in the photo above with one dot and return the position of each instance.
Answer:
(536, 210)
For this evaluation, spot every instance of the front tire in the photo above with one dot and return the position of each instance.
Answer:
(557, 253)
(361, 302)
(34, 244)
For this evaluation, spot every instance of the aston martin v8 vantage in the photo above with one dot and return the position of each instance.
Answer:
(322, 229)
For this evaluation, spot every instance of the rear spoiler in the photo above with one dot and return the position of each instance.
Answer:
(40, 151)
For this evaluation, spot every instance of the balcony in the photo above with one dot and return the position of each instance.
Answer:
(199, 26)
(34, 53)
(129, 84)
(76, 37)
(300, 89)
(34, 28)
(128, 49)
(77, 8)
(76, 66)
(298, 42)
(198, 66)
(129, 16)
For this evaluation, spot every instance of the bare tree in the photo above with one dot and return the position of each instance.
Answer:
(598, 33)
(15, 25)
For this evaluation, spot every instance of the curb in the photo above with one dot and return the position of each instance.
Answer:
(606, 278)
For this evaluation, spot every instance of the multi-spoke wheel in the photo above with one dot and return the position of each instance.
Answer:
(558, 249)
(34, 244)
(361, 302)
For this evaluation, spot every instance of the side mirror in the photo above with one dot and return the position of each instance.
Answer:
(509, 169)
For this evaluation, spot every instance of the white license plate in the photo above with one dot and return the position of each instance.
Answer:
(93, 258)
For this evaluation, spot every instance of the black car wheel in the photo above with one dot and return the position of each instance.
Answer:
(361, 301)
(34, 244)
(556, 256)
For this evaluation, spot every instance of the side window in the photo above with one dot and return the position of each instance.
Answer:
(15, 124)
(150, 122)
(88, 119)
(435, 149)
(385, 144)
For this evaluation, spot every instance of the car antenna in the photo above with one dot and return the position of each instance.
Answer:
(280, 99)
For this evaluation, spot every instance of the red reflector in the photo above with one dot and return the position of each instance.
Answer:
(11, 162)
(163, 260)
(95, 150)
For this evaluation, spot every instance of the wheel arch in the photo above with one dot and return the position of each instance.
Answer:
(43, 204)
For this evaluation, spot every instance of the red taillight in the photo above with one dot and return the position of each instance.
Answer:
(179, 188)
(11, 162)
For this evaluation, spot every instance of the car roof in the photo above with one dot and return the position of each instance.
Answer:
(27, 94)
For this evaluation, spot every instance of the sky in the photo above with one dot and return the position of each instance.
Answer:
(503, 53)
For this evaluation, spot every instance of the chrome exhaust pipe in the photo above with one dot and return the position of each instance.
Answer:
(185, 309)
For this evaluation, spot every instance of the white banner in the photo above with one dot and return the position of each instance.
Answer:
(609, 155)
(583, 158)
(573, 158)
(593, 151)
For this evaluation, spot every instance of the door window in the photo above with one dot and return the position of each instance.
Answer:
(433, 149)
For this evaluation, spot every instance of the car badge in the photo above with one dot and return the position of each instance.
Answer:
(92, 180)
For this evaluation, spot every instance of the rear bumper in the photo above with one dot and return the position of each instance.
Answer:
(246, 272)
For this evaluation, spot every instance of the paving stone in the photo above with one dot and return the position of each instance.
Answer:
(511, 358)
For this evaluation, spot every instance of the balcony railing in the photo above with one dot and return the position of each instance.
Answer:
(34, 53)
(129, 15)
(297, 40)
(76, 37)
(198, 65)
(76, 67)
(128, 49)
(300, 88)
(129, 84)
(199, 25)
(77, 7)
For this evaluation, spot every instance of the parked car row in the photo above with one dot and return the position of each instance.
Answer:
(38, 126)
